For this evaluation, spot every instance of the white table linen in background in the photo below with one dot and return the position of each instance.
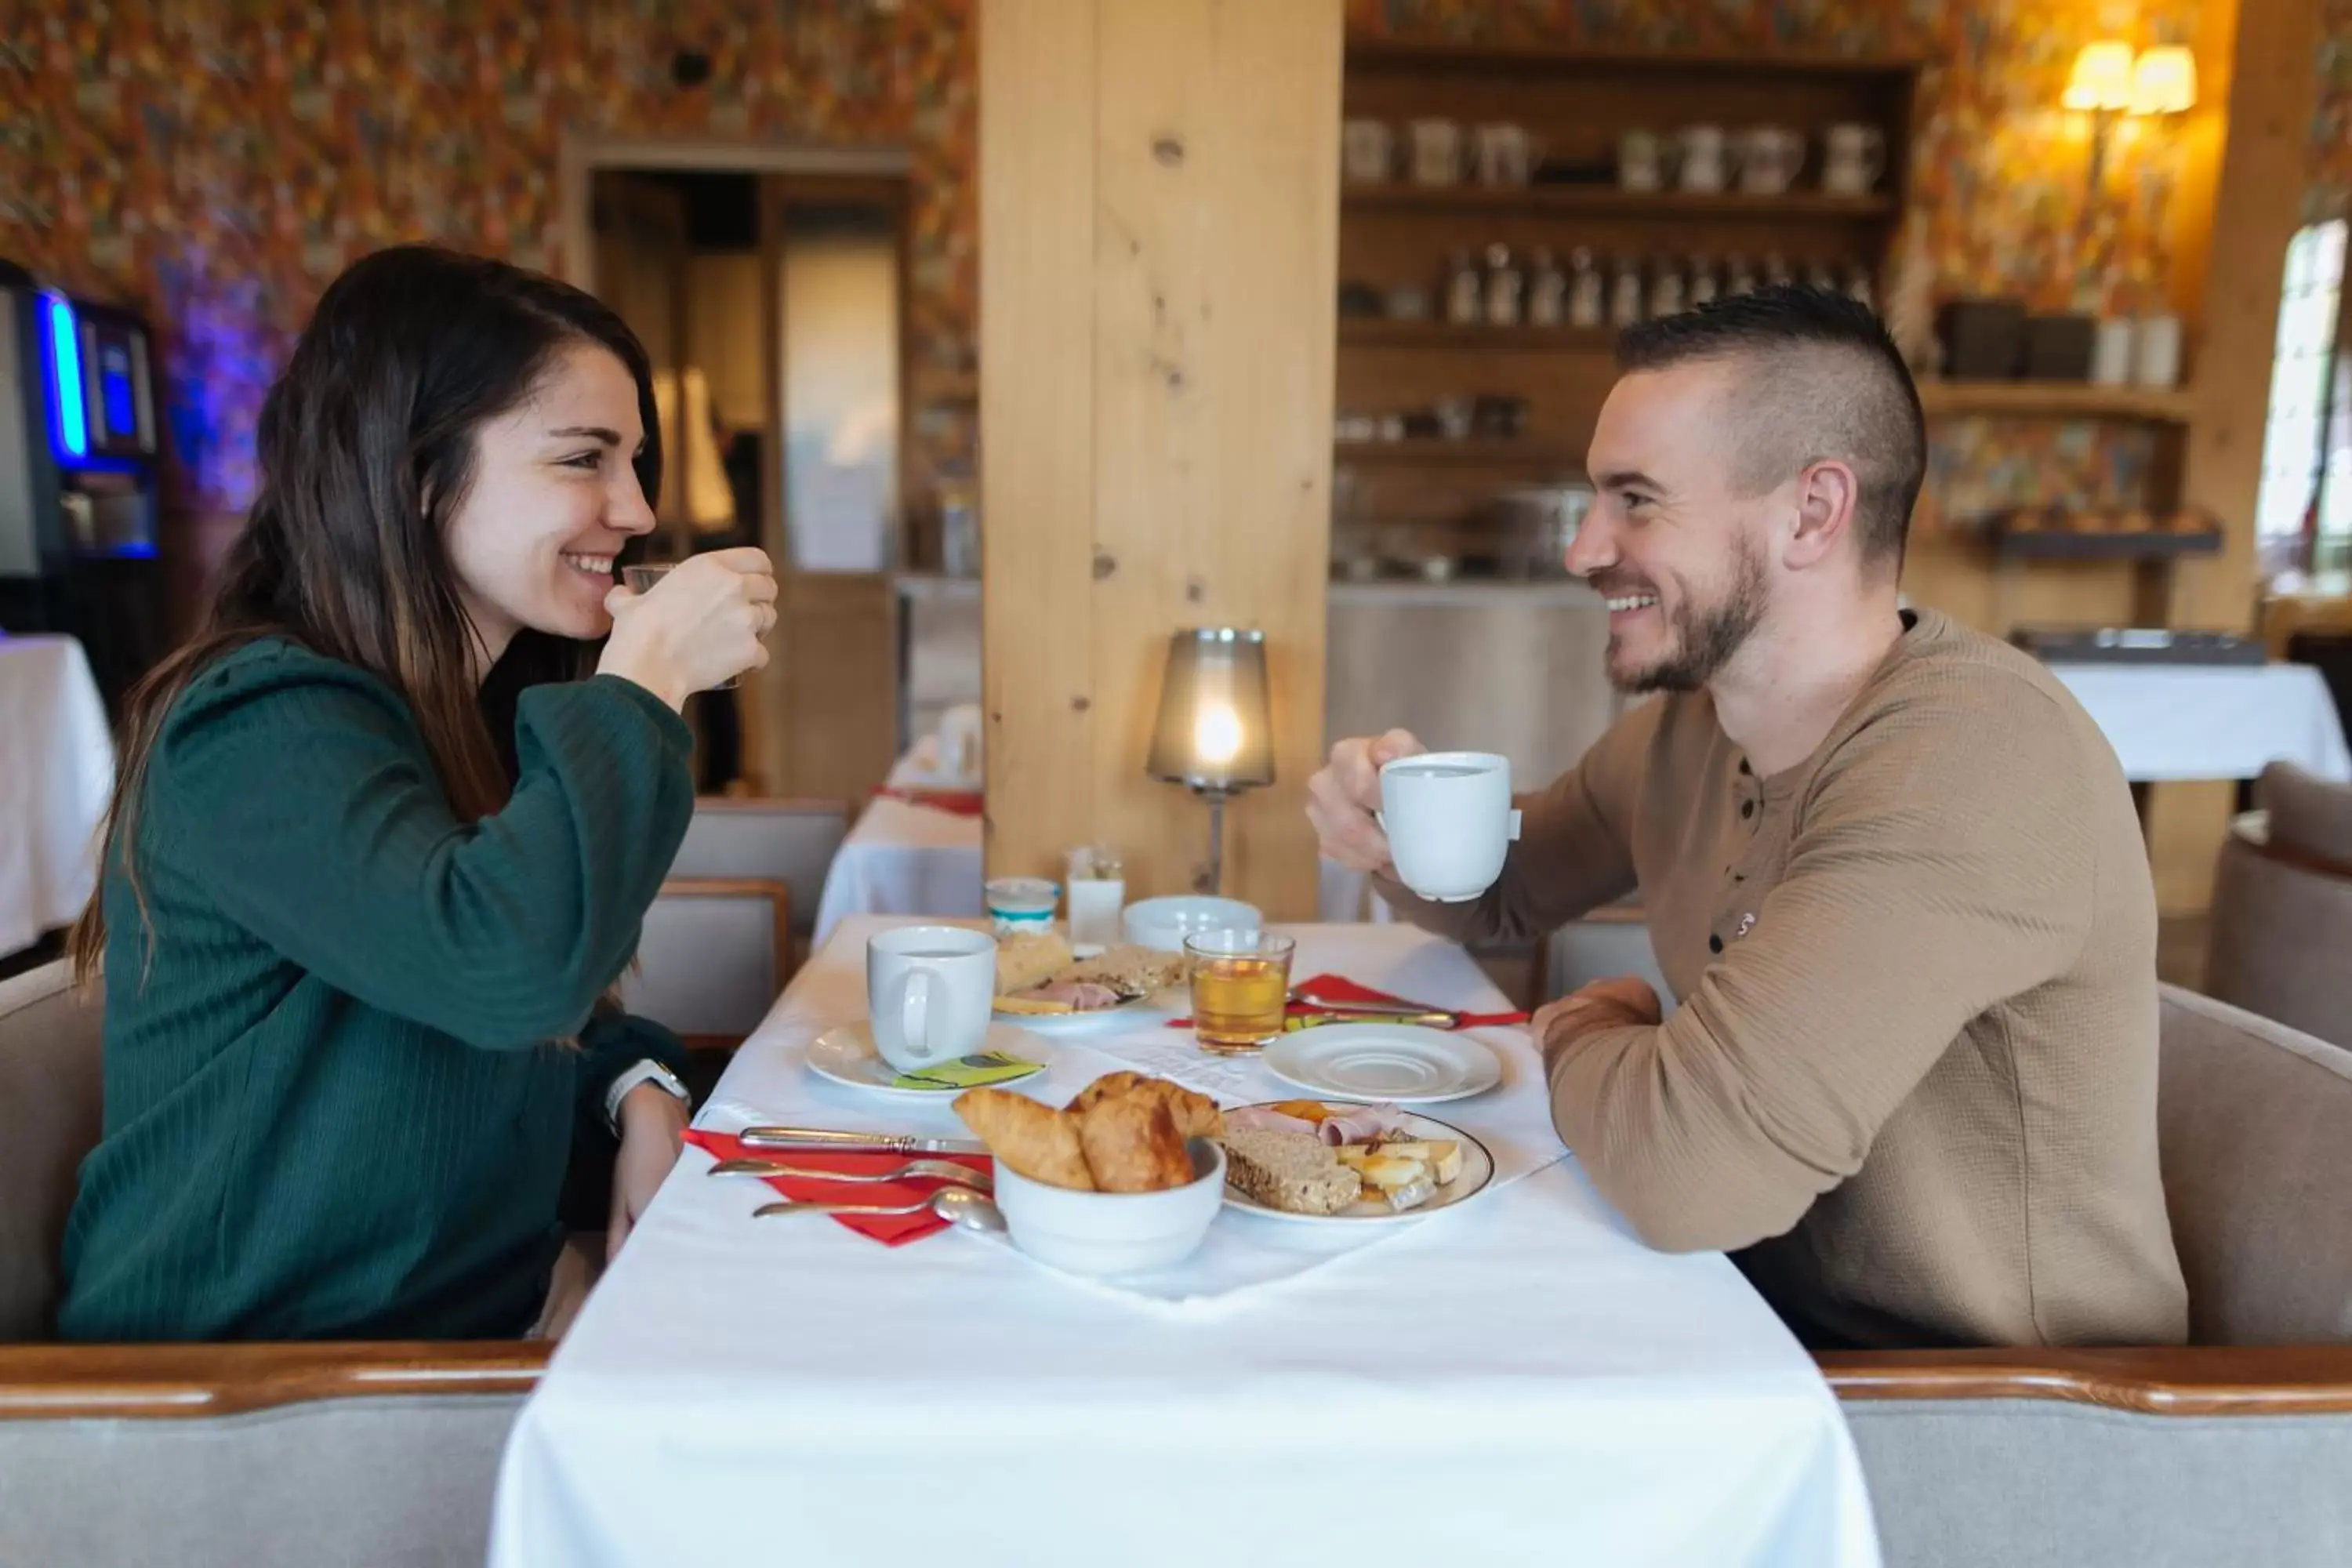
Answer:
(2174, 722)
(1514, 1381)
(56, 770)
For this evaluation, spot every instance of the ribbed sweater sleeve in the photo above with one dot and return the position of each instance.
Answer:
(292, 788)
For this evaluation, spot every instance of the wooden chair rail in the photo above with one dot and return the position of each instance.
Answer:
(2193, 1380)
(59, 1382)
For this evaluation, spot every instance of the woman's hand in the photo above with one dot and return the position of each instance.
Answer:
(653, 1132)
(697, 628)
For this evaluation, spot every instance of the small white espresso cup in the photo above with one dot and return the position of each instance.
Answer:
(1449, 820)
(929, 990)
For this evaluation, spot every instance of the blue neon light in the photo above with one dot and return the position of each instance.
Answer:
(65, 381)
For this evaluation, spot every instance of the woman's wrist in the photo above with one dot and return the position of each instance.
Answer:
(618, 662)
(654, 1107)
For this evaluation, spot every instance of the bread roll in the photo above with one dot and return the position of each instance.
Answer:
(1195, 1115)
(1131, 1144)
(1036, 1141)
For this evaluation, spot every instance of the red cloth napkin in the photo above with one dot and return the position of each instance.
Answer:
(1339, 988)
(957, 801)
(890, 1230)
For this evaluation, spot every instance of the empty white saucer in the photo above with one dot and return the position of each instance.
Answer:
(846, 1056)
(1405, 1064)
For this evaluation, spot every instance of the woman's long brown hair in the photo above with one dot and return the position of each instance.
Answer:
(366, 448)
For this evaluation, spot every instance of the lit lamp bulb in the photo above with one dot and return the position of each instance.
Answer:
(1217, 735)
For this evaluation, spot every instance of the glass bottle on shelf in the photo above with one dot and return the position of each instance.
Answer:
(1857, 286)
(1588, 304)
(1666, 293)
(1505, 282)
(1775, 271)
(1738, 277)
(1626, 293)
(1701, 282)
(1547, 290)
(1819, 276)
(1465, 291)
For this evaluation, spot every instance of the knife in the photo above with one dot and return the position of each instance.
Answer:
(827, 1138)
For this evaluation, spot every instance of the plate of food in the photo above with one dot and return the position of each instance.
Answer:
(1045, 987)
(1334, 1163)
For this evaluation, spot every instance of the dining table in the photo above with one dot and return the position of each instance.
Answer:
(56, 773)
(1513, 1378)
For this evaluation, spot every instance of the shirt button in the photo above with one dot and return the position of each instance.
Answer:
(1715, 944)
(1746, 808)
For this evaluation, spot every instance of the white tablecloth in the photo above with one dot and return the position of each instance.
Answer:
(2211, 721)
(1515, 1380)
(57, 769)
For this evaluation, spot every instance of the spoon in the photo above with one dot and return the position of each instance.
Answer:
(913, 1169)
(959, 1206)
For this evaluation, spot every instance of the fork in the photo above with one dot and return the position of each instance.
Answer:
(912, 1171)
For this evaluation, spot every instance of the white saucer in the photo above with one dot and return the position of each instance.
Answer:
(1405, 1064)
(846, 1056)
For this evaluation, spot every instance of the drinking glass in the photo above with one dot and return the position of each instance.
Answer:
(1241, 985)
(641, 578)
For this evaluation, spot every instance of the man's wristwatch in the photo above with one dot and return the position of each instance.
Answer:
(647, 1071)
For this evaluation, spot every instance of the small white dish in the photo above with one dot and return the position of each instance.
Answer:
(1403, 1064)
(1163, 924)
(1113, 1233)
(846, 1055)
(1141, 1014)
(1477, 1170)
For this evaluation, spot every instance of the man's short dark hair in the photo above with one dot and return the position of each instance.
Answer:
(1818, 378)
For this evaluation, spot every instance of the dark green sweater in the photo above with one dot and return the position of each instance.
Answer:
(334, 1105)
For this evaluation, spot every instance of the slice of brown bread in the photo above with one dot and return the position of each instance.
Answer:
(1296, 1172)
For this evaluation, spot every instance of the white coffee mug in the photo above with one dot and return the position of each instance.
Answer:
(1450, 822)
(1703, 158)
(1855, 156)
(1367, 149)
(929, 990)
(1768, 158)
(1436, 151)
(1640, 160)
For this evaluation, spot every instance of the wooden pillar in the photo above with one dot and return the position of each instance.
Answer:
(2266, 79)
(1158, 235)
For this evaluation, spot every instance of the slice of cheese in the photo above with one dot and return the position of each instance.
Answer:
(1387, 1171)
(1442, 1156)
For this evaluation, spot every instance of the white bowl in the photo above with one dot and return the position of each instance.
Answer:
(1163, 924)
(1113, 1233)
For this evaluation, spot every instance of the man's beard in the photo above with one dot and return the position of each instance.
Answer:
(1705, 638)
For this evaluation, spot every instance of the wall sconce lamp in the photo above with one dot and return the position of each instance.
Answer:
(1215, 731)
(2109, 81)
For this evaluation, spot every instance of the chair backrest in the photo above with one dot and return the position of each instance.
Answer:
(2310, 816)
(787, 841)
(2280, 942)
(51, 1047)
(711, 957)
(2255, 1132)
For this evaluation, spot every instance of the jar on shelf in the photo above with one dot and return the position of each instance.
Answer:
(1668, 295)
(1626, 293)
(1738, 278)
(1588, 302)
(1546, 291)
(1465, 291)
(1702, 282)
(1505, 284)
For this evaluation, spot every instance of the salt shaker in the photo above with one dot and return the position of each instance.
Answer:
(1666, 291)
(1465, 291)
(1546, 291)
(1504, 284)
(1587, 305)
(1626, 294)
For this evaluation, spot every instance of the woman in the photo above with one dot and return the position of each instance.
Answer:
(355, 938)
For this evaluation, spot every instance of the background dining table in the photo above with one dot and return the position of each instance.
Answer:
(1515, 1379)
(57, 771)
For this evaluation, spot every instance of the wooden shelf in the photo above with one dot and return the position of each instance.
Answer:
(1611, 200)
(1386, 54)
(2054, 400)
(1370, 333)
(2151, 544)
(1470, 453)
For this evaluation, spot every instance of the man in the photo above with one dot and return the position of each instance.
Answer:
(1890, 867)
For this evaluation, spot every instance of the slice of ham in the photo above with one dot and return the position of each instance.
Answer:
(1079, 996)
(1265, 1118)
(1362, 1124)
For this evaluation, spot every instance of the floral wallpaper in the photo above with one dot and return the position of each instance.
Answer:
(216, 162)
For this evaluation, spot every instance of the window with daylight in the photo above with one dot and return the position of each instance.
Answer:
(2303, 514)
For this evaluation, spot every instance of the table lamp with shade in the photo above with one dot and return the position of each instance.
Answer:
(1215, 732)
